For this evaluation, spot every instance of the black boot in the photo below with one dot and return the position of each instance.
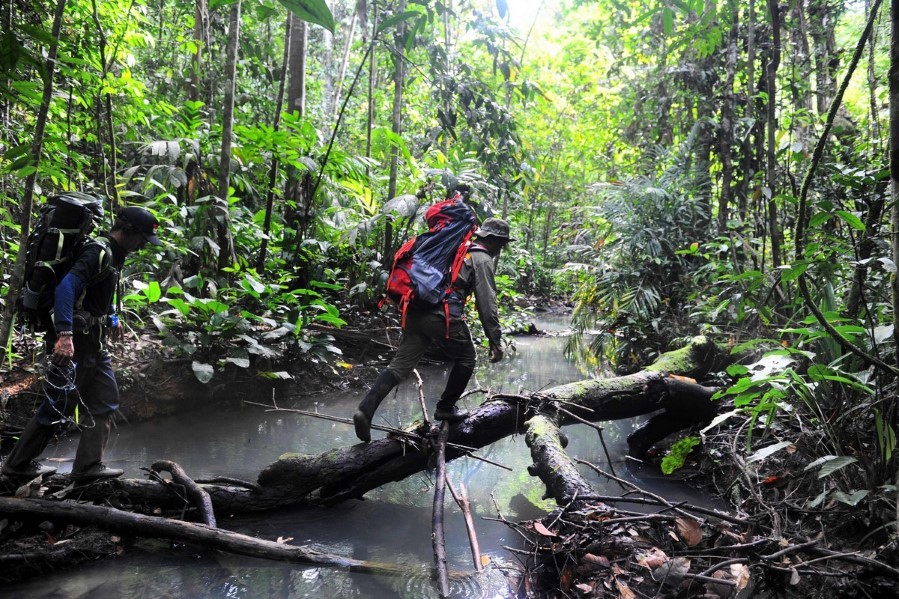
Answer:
(88, 463)
(455, 385)
(448, 411)
(367, 407)
(21, 462)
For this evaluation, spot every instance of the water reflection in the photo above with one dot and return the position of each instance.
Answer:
(392, 525)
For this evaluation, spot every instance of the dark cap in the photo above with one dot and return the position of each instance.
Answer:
(142, 221)
(494, 227)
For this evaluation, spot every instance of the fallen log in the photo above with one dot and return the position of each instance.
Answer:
(350, 472)
(194, 491)
(551, 464)
(127, 523)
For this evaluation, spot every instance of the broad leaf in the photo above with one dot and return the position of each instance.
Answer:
(203, 372)
(312, 11)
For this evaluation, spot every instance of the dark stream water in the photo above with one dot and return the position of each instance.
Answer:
(392, 525)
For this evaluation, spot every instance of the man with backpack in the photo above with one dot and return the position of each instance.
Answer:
(80, 369)
(425, 325)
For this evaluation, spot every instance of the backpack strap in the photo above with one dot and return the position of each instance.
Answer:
(104, 267)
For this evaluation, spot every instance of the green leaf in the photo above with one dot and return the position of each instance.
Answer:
(203, 372)
(851, 220)
(312, 11)
(850, 499)
(830, 464)
(793, 271)
(668, 20)
(396, 19)
(154, 292)
(678, 453)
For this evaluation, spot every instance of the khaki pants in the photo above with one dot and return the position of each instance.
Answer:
(427, 328)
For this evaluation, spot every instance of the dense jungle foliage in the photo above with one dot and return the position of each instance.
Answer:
(674, 167)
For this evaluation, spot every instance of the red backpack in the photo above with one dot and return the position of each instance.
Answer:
(426, 266)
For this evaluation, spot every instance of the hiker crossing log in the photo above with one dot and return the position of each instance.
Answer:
(350, 472)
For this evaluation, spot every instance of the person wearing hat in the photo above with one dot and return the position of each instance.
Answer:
(80, 369)
(426, 327)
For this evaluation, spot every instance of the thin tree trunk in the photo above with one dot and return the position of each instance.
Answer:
(326, 52)
(726, 136)
(273, 170)
(748, 114)
(109, 182)
(372, 71)
(771, 163)
(226, 243)
(335, 100)
(894, 160)
(399, 76)
(196, 85)
(37, 144)
(296, 92)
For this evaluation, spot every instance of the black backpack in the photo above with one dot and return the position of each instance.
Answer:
(61, 232)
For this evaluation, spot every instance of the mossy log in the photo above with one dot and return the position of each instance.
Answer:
(349, 472)
(551, 464)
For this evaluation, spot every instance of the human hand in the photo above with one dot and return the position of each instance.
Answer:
(63, 351)
(496, 354)
(116, 330)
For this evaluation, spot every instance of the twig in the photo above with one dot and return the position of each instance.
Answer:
(621, 481)
(421, 396)
(598, 429)
(466, 451)
(461, 500)
(439, 540)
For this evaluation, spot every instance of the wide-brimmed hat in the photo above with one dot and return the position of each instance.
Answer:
(494, 227)
(142, 221)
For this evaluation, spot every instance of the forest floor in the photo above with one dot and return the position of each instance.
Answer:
(771, 543)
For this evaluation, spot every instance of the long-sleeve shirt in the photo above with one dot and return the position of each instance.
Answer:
(478, 275)
(86, 282)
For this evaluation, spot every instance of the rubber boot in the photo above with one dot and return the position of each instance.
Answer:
(385, 382)
(88, 463)
(455, 385)
(21, 462)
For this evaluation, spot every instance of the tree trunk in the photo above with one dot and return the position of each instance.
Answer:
(37, 143)
(201, 16)
(372, 72)
(273, 169)
(350, 472)
(399, 75)
(726, 134)
(894, 159)
(335, 100)
(748, 114)
(226, 243)
(126, 523)
(771, 153)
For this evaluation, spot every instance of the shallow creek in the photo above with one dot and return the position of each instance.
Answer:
(392, 524)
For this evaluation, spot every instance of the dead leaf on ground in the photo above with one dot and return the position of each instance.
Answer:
(584, 588)
(597, 560)
(541, 529)
(654, 558)
(671, 573)
(624, 590)
(689, 530)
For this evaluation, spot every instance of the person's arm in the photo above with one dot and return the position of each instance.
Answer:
(66, 294)
(485, 302)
